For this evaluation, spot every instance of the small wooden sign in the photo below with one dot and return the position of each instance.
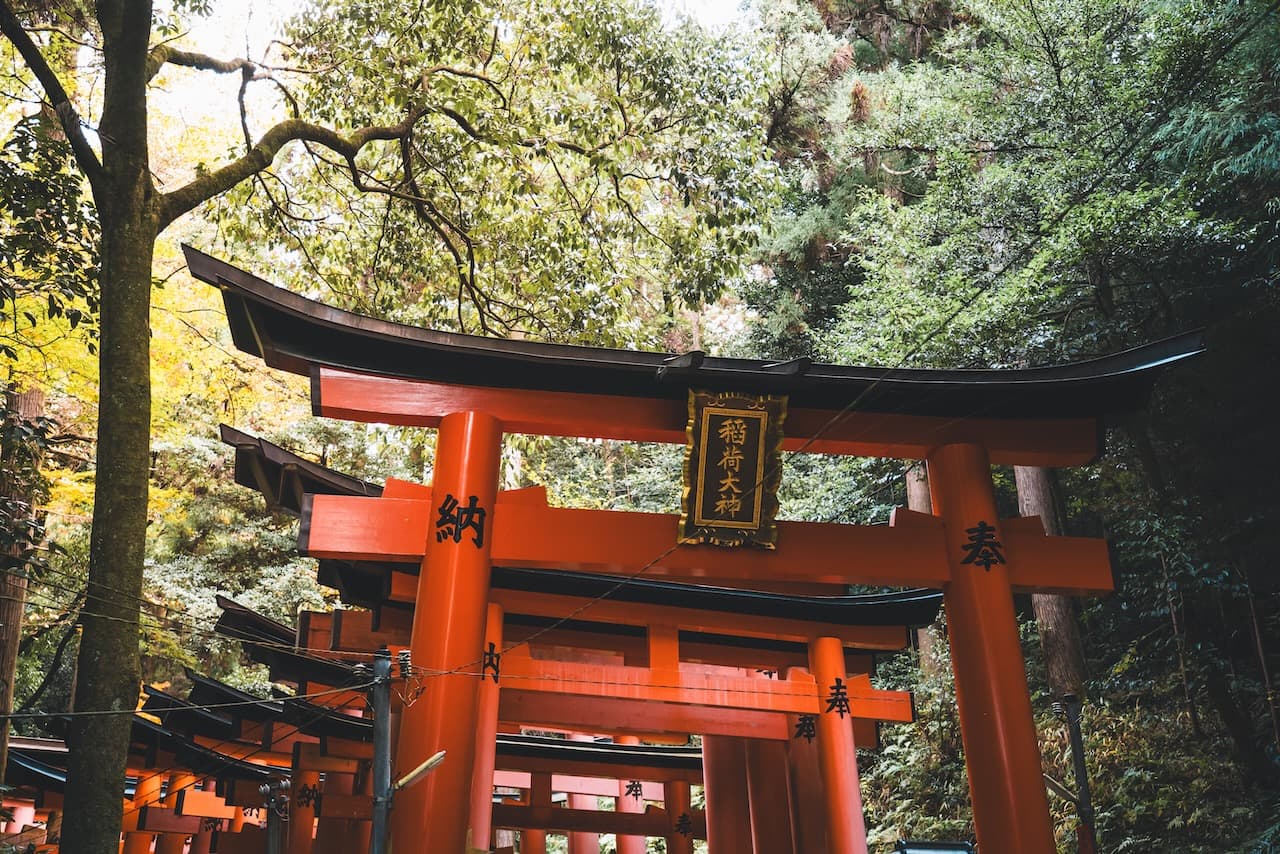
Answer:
(732, 469)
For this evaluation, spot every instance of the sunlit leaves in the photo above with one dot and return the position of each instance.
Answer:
(48, 239)
(579, 169)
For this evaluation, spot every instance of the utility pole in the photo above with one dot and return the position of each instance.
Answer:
(382, 790)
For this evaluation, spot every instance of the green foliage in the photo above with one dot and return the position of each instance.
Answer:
(604, 475)
(580, 170)
(23, 488)
(48, 239)
(914, 784)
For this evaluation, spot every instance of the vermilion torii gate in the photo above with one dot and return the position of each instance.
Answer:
(649, 642)
(474, 390)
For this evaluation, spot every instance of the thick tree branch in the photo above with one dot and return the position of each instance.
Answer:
(201, 62)
(184, 199)
(68, 118)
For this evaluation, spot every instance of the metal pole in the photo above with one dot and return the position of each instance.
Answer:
(1084, 806)
(382, 790)
(277, 799)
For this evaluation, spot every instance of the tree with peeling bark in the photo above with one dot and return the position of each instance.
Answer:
(642, 158)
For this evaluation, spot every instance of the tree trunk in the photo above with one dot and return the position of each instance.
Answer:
(108, 661)
(13, 581)
(1055, 615)
(918, 499)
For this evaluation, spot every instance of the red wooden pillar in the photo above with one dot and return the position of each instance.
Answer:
(486, 738)
(808, 819)
(178, 782)
(171, 843)
(202, 842)
(448, 637)
(137, 843)
(145, 793)
(340, 835)
(1010, 808)
(581, 842)
(304, 789)
(771, 824)
(675, 797)
(630, 804)
(724, 776)
(837, 756)
(533, 841)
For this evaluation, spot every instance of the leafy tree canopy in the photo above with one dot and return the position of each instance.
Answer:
(576, 169)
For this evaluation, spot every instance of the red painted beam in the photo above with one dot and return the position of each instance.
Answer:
(603, 713)
(363, 397)
(652, 822)
(911, 552)
(603, 787)
(687, 619)
(396, 529)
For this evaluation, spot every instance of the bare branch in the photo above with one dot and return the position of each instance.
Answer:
(425, 78)
(174, 204)
(162, 54)
(68, 118)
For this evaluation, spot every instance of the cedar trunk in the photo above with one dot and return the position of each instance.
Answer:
(1060, 639)
(918, 499)
(108, 662)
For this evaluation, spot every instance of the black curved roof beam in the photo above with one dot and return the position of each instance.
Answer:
(320, 721)
(899, 608)
(283, 477)
(296, 334)
(601, 752)
(917, 607)
(199, 759)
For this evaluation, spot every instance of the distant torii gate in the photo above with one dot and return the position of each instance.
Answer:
(475, 389)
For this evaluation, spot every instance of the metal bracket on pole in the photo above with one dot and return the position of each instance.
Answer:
(276, 794)
(382, 790)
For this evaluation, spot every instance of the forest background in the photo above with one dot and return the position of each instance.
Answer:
(896, 183)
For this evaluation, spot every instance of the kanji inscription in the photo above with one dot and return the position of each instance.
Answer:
(982, 548)
(732, 469)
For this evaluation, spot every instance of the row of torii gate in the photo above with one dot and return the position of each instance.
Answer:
(632, 635)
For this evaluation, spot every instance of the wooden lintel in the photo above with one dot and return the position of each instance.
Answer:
(310, 757)
(362, 397)
(600, 714)
(201, 803)
(723, 623)
(390, 529)
(332, 746)
(601, 787)
(911, 552)
(156, 819)
(651, 822)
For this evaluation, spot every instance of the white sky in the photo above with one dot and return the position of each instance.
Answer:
(203, 105)
(251, 23)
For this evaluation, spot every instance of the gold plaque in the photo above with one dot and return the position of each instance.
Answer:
(732, 469)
